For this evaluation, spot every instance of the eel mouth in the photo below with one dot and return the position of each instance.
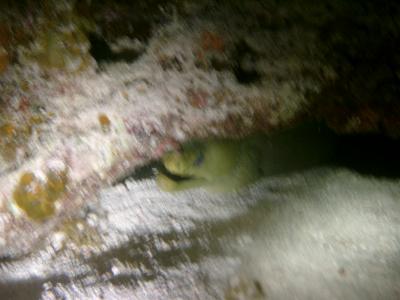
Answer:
(175, 177)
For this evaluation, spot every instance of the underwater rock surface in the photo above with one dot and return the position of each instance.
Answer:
(103, 121)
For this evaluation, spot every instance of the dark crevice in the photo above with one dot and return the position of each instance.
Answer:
(101, 51)
(242, 53)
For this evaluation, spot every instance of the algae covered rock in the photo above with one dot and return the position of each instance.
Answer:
(60, 43)
(13, 142)
(36, 196)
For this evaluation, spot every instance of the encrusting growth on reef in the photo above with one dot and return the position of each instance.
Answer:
(61, 42)
(37, 197)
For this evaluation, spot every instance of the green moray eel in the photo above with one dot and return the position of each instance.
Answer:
(229, 164)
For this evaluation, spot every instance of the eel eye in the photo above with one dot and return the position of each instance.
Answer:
(199, 159)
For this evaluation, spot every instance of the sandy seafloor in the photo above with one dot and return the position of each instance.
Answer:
(321, 234)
